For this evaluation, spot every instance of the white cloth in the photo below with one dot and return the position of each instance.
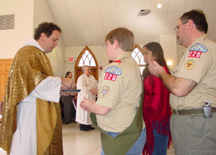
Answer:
(85, 83)
(33, 42)
(24, 141)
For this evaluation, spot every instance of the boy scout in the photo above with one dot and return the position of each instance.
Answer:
(118, 108)
(193, 86)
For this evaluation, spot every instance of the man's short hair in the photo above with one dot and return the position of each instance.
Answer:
(84, 67)
(46, 28)
(124, 37)
(198, 17)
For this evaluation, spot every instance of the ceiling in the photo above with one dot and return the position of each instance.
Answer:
(86, 22)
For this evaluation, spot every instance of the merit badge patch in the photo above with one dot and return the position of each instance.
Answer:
(196, 50)
(190, 64)
(104, 92)
(112, 72)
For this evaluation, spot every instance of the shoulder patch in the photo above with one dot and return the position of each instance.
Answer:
(189, 64)
(196, 50)
(105, 91)
(112, 72)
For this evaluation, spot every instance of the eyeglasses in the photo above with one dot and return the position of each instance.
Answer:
(105, 46)
(178, 26)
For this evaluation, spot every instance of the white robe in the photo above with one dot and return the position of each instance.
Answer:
(24, 141)
(84, 83)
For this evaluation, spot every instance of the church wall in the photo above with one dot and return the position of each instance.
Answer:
(11, 40)
(42, 13)
(98, 51)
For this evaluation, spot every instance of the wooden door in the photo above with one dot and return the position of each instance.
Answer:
(4, 69)
(85, 57)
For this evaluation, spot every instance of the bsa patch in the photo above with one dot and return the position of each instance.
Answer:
(104, 92)
(190, 64)
(112, 72)
(196, 50)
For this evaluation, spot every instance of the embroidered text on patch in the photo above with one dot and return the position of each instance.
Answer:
(196, 50)
(112, 72)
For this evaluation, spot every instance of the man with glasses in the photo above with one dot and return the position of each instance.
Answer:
(193, 88)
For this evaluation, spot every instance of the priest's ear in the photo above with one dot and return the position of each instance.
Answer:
(42, 35)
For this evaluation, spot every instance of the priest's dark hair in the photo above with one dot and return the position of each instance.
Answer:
(46, 28)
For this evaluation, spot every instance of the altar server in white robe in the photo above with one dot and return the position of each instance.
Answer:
(31, 122)
(88, 85)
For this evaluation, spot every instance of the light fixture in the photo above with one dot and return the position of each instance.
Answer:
(169, 63)
(143, 12)
(159, 5)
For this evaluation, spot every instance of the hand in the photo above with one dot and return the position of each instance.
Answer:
(155, 69)
(85, 104)
(64, 93)
(94, 91)
(68, 92)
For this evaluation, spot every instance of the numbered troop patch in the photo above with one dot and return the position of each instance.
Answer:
(105, 91)
(189, 64)
(196, 50)
(112, 72)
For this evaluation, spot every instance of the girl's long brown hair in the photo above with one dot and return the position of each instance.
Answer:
(157, 51)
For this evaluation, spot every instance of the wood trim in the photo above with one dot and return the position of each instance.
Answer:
(5, 65)
(138, 46)
(92, 67)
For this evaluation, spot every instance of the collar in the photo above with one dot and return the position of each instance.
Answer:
(33, 42)
(122, 56)
(201, 38)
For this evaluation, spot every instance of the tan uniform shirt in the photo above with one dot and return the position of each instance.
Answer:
(199, 64)
(120, 88)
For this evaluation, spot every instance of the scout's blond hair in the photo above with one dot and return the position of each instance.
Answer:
(124, 37)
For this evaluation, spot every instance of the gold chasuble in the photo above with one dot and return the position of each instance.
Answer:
(31, 66)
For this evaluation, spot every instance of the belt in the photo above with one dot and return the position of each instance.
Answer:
(191, 111)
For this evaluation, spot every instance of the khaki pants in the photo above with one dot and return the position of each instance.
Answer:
(193, 134)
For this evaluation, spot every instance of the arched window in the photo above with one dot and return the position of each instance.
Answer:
(138, 57)
(86, 57)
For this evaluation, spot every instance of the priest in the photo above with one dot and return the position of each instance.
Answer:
(31, 122)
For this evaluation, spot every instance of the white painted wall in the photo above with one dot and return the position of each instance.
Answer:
(180, 51)
(98, 51)
(28, 14)
(169, 45)
(12, 40)
(42, 13)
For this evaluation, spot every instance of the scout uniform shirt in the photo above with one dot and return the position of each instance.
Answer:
(120, 88)
(198, 64)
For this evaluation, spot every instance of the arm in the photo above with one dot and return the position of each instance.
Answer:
(176, 85)
(48, 89)
(91, 106)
